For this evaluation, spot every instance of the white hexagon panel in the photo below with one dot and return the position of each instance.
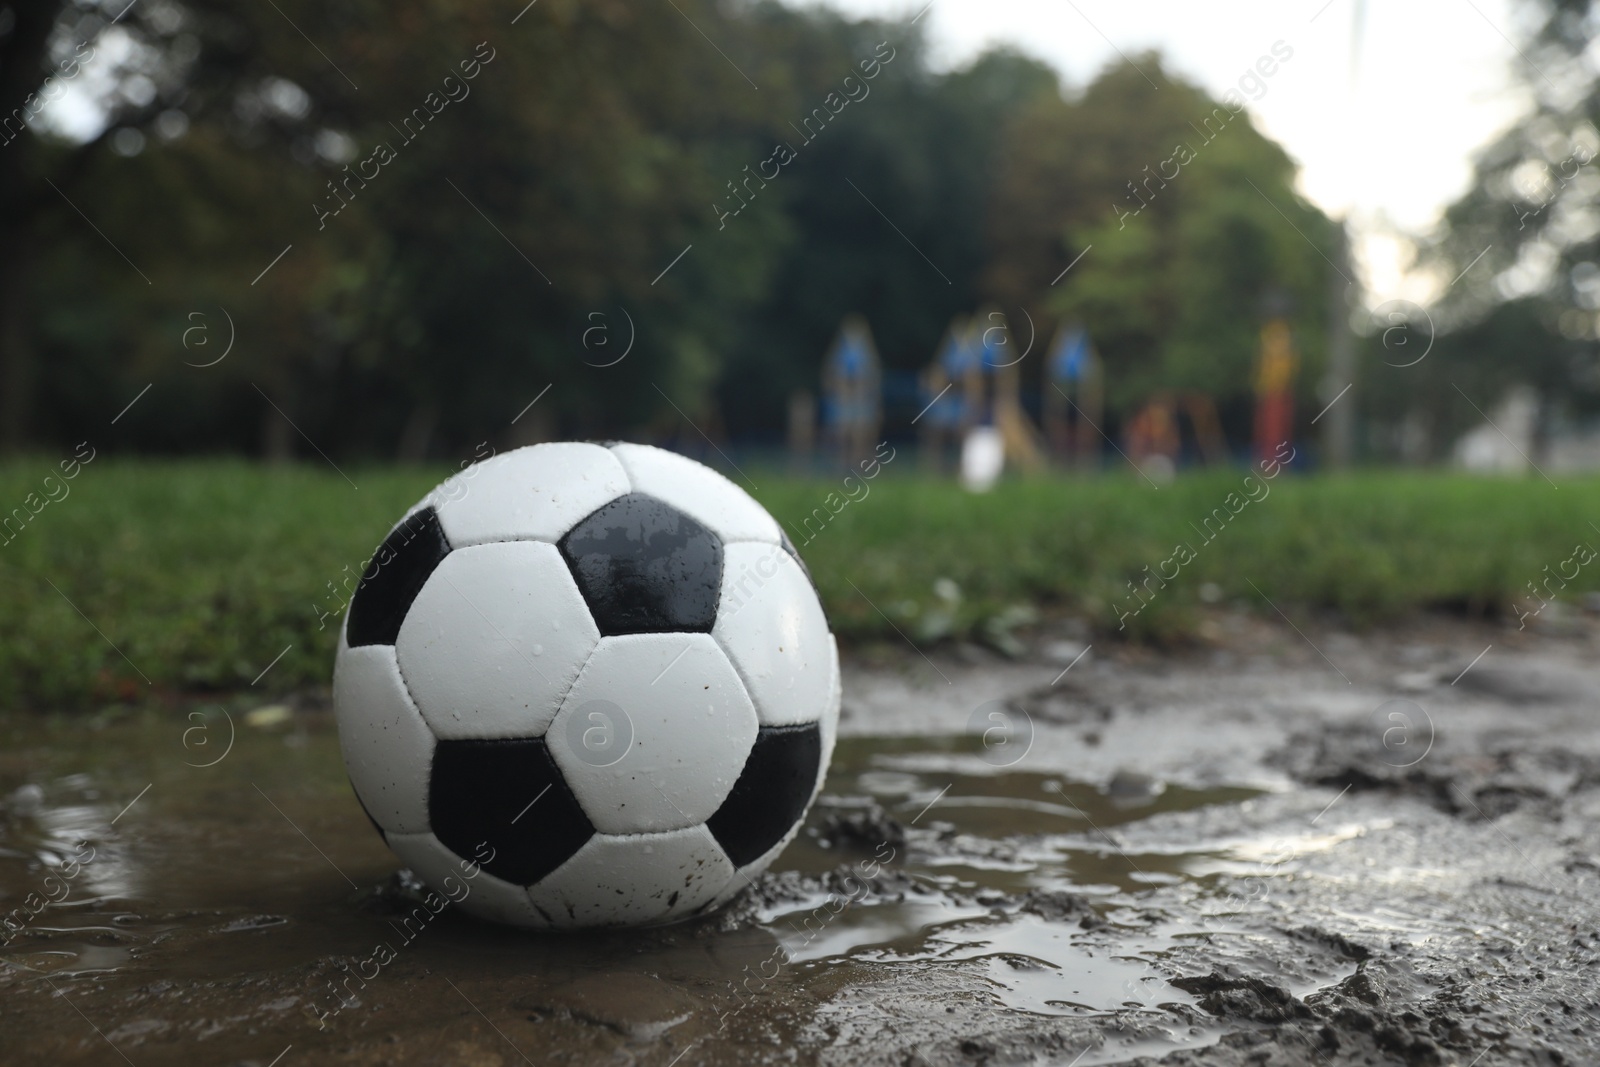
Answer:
(534, 493)
(654, 732)
(494, 640)
(634, 879)
(387, 748)
(770, 624)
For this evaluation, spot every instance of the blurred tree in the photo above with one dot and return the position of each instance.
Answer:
(885, 208)
(44, 46)
(445, 236)
(411, 219)
(1528, 309)
(1420, 405)
(1193, 222)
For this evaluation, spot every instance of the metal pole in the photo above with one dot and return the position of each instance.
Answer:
(1339, 422)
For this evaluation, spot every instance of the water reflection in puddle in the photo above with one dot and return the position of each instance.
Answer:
(1036, 965)
(246, 869)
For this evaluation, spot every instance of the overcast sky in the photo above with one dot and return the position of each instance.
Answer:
(1435, 81)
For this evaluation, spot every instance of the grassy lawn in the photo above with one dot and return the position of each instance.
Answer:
(201, 572)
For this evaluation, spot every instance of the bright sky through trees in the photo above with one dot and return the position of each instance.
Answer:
(1436, 81)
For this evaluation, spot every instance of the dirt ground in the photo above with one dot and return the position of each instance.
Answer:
(1291, 846)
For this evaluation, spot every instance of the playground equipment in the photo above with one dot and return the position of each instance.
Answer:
(1024, 445)
(1155, 433)
(1275, 371)
(952, 391)
(975, 381)
(1074, 398)
(852, 391)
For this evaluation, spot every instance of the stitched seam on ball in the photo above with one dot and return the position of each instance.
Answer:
(561, 703)
(556, 540)
(626, 473)
(635, 834)
(416, 707)
(561, 695)
(778, 544)
(416, 710)
(498, 460)
(747, 695)
(739, 671)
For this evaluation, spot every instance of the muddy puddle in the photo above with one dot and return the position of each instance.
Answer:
(203, 889)
(201, 914)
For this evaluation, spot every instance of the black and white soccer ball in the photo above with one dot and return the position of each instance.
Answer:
(587, 685)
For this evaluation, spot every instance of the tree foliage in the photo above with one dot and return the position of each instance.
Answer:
(1188, 225)
(411, 219)
(1522, 246)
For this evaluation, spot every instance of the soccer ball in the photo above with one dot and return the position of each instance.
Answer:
(586, 685)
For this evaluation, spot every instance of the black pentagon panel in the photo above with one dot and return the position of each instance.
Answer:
(644, 567)
(771, 792)
(507, 796)
(394, 578)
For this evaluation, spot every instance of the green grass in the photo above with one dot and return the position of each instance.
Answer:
(201, 572)
(1373, 546)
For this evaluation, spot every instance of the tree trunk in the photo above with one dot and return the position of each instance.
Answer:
(16, 341)
(22, 55)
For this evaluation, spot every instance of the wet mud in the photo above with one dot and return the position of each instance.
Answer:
(1282, 849)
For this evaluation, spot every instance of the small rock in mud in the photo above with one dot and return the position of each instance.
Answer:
(1484, 785)
(847, 883)
(1353, 755)
(1336, 941)
(1057, 905)
(25, 801)
(1131, 785)
(868, 827)
(401, 891)
(1246, 997)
